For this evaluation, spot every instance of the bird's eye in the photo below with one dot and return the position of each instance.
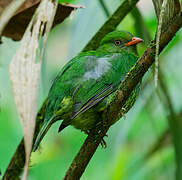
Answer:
(117, 42)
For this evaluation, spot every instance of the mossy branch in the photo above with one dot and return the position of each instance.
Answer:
(135, 75)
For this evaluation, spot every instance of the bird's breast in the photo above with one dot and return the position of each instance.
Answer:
(101, 67)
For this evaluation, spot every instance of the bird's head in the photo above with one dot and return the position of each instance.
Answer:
(119, 41)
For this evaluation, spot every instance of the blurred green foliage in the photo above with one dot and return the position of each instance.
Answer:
(129, 139)
(68, 1)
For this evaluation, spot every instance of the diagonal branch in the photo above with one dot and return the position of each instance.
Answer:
(131, 80)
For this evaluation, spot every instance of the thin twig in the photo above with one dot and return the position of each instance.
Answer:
(142, 31)
(158, 34)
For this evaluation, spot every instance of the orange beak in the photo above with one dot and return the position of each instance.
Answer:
(134, 40)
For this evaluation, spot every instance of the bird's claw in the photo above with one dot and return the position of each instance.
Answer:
(86, 132)
(102, 143)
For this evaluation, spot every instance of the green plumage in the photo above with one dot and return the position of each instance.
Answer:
(84, 86)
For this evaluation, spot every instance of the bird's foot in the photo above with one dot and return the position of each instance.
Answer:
(86, 131)
(102, 143)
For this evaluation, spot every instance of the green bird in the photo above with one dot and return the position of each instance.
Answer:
(84, 86)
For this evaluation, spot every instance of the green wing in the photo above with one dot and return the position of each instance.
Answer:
(101, 82)
(92, 100)
(66, 80)
(88, 78)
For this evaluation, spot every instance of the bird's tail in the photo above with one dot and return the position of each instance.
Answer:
(41, 134)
